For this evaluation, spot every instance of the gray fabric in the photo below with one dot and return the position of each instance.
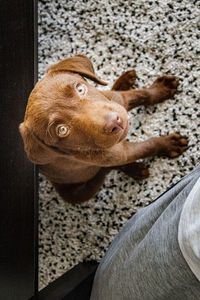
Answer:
(145, 261)
(189, 230)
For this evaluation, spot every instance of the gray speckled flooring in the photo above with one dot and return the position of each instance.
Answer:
(154, 38)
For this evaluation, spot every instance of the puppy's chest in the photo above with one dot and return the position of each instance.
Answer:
(68, 171)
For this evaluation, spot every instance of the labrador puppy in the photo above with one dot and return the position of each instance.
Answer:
(76, 133)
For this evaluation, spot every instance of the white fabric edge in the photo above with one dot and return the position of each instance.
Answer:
(189, 230)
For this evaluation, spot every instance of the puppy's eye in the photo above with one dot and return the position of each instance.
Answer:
(62, 130)
(81, 89)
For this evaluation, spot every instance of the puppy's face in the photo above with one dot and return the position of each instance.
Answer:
(66, 112)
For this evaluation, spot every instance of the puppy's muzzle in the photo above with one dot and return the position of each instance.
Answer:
(114, 123)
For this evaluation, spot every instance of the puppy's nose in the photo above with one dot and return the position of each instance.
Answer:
(113, 123)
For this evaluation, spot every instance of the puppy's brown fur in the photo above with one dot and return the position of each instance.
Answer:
(77, 133)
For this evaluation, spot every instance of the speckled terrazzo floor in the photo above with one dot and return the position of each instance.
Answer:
(154, 38)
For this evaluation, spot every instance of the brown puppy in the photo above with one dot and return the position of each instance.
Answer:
(77, 133)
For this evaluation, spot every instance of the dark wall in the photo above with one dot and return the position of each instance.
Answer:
(18, 210)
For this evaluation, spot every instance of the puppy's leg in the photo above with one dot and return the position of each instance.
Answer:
(125, 81)
(81, 192)
(126, 152)
(163, 88)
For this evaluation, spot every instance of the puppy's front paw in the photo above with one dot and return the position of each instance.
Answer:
(173, 145)
(164, 87)
(169, 83)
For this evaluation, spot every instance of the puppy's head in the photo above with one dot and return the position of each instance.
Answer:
(66, 114)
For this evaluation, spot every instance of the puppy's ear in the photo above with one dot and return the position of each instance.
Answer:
(77, 64)
(37, 152)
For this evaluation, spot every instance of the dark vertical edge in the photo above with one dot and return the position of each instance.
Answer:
(36, 189)
(36, 255)
(18, 193)
(35, 9)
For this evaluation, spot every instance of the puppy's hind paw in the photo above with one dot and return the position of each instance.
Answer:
(136, 170)
(125, 81)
